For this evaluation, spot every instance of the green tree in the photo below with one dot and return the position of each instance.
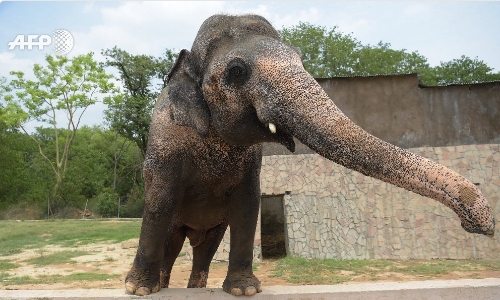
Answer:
(95, 153)
(25, 180)
(382, 60)
(63, 87)
(130, 114)
(93, 156)
(88, 175)
(464, 70)
(325, 52)
(330, 53)
(16, 152)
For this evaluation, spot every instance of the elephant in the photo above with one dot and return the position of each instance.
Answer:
(238, 87)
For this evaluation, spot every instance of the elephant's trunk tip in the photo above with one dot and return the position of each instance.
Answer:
(489, 231)
(473, 209)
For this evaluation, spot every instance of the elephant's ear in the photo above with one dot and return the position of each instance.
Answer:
(188, 106)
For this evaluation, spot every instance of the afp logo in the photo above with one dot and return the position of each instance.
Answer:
(61, 40)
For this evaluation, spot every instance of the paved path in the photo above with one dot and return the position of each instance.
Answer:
(418, 290)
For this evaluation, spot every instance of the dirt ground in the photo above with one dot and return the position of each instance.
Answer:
(113, 259)
(117, 259)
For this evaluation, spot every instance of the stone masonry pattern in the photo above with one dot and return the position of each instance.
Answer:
(334, 212)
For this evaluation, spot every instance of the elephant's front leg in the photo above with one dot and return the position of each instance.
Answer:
(244, 210)
(163, 193)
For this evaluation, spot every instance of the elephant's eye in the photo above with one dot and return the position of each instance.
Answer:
(237, 72)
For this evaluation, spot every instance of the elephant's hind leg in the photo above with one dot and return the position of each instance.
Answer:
(203, 252)
(173, 245)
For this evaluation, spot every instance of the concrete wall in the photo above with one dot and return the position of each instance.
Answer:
(399, 111)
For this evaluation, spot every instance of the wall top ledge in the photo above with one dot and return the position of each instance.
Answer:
(448, 289)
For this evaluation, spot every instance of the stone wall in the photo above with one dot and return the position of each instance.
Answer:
(333, 212)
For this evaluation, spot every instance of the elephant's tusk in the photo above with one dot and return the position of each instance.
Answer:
(272, 127)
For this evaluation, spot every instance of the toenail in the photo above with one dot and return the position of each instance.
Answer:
(236, 292)
(250, 291)
(130, 287)
(142, 291)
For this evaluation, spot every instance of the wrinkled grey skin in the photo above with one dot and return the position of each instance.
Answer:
(204, 154)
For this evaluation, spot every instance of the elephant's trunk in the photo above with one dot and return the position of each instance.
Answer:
(311, 116)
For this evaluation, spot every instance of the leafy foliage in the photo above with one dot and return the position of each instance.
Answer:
(330, 53)
(63, 85)
(107, 204)
(382, 60)
(325, 52)
(90, 170)
(130, 114)
(464, 70)
(17, 164)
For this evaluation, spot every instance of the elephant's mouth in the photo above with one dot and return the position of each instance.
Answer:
(258, 130)
(279, 135)
(253, 130)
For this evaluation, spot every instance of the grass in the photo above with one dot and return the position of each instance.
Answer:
(16, 236)
(60, 257)
(7, 265)
(6, 279)
(329, 271)
(439, 267)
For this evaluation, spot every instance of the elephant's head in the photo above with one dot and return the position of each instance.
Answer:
(243, 83)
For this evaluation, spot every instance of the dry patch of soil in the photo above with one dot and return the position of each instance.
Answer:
(117, 259)
(112, 259)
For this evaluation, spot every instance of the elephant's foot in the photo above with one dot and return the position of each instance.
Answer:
(241, 283)
(141, 282)
(198, 279)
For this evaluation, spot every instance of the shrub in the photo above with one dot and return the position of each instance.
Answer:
(133, 205)
(107, 204)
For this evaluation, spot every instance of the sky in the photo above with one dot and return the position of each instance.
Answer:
(440, 31)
